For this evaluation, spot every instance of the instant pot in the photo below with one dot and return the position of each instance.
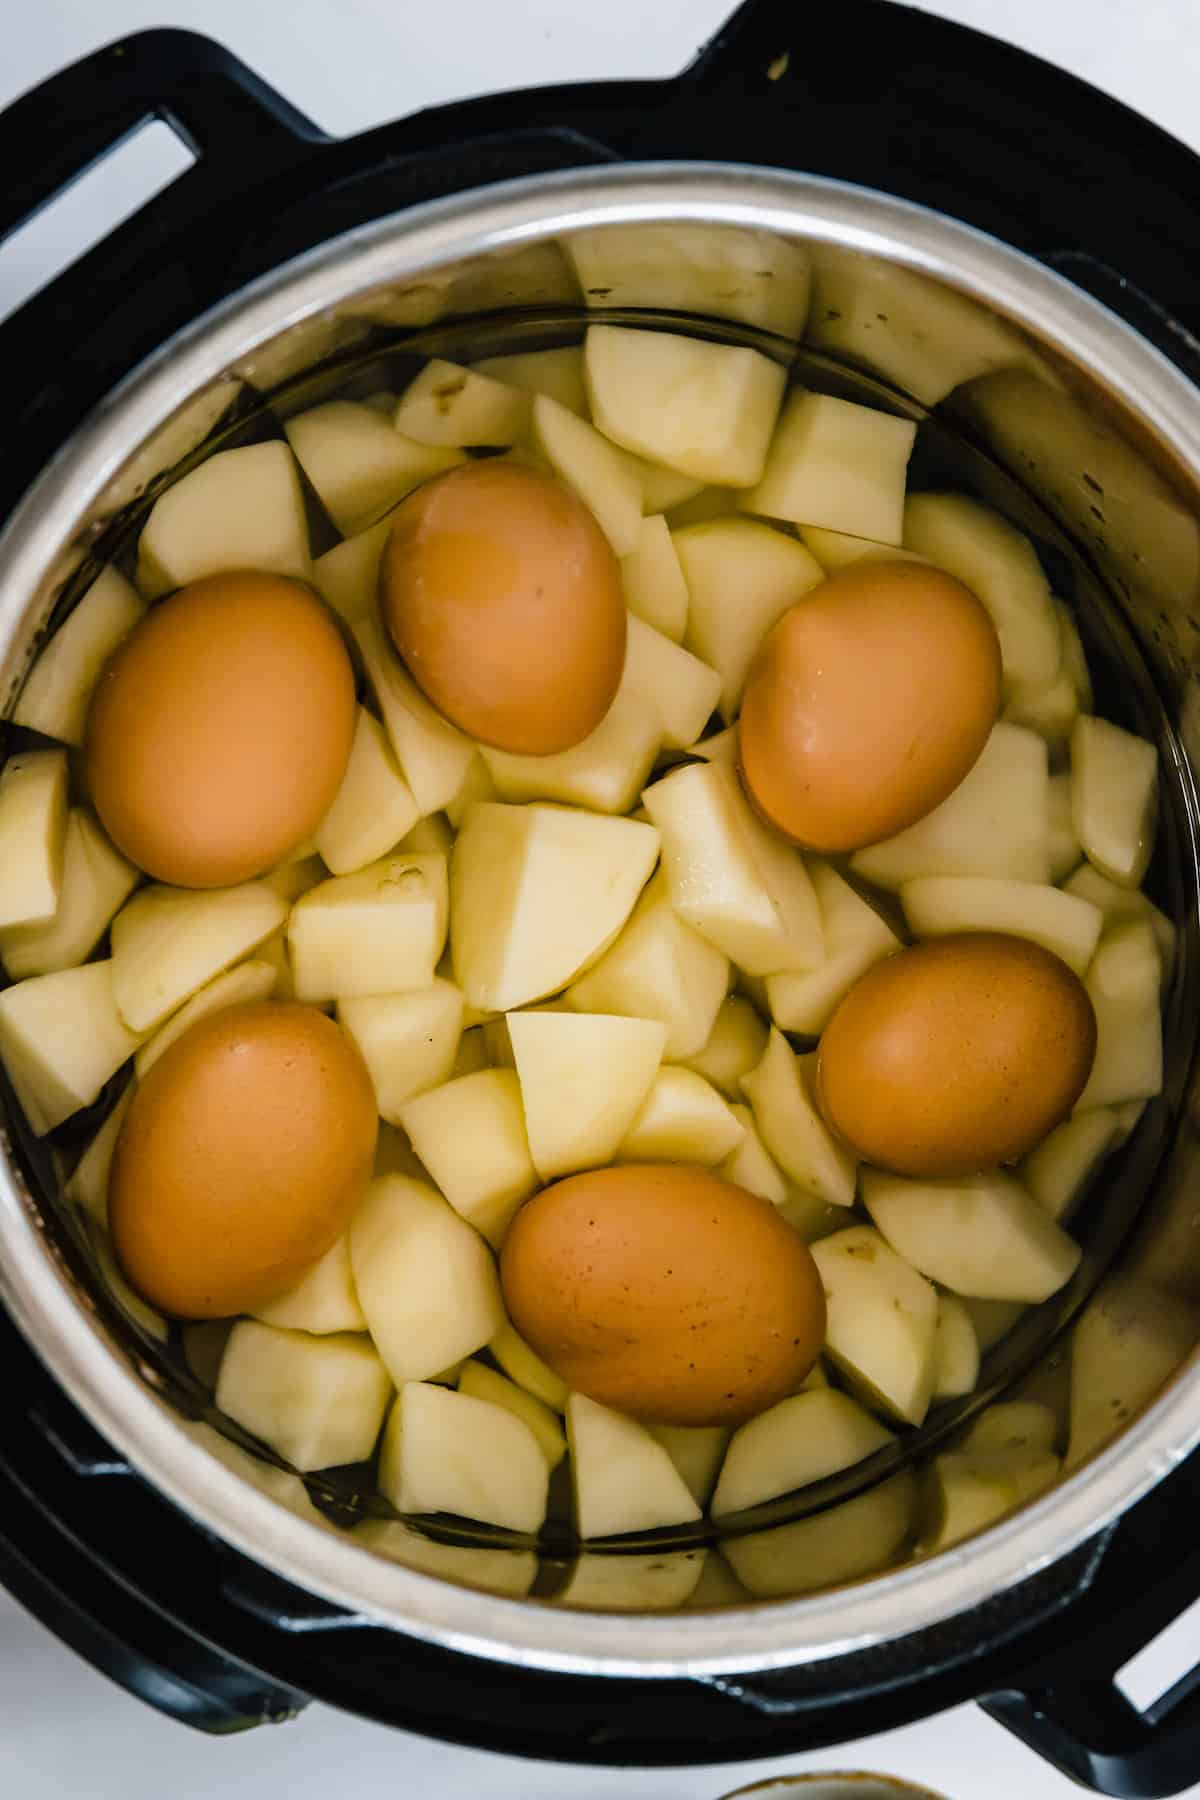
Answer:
(915, 212)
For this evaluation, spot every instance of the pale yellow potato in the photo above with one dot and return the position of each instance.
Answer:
(169, 942)
(409, 1041)
(324, 1300)
(732, 1048)
(956, 1350)
(483, 1383)
(839, 1545)
(979, 1235)
(373, 809)
(318, 1401)
(882, 1324)
(33, 836)
(58, 688)
(583, 1078)
(837, 464)
(381, 930)
(598, 472)
(449, 1452)
(682, 1119)
(1124, 983)
(454, 407)
(96, 882)
(655, 589)
(802, 1439)
(1114, 798)
(246, 981)
(470, 1134)
(792, 1128)
(359, 466)
(238, 509)
(623, 1478)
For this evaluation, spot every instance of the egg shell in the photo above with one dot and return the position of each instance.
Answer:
(867, 704)
(220, 729)
(956, 1055)
(241, 1158)
(504, 599)
(665, 1292)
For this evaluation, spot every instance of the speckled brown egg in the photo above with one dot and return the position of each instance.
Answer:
(220, 730)
(957, 1055)
(665, 1292)
(504, 598)
(867, 704)
(242, 1156)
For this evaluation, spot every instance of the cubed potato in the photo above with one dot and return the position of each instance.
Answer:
(1013, 1425)
(318, 1401)
(1053, 707)
(663, 488)
(706, 409)
(112, 1278)
(751, 1164)
(477, 785)
(779, 1091)
(741, 577)
(624, 1480)
(538, 893)
(347, 577)
(600, 475)
(507, 1572)
(1069, 927)
(830, 1548)
(358, 465)
(658, 968)
(453, 407)
(802, 1439)
(408, 1041)
(839, 549)
(682, 1119)
(719, 746)
(558, 373)
(527, 1370)
(87, 1185)
(61, 1038)
(431, 835)
(981, 1235)
(58, 688)
(1058, 1172)
(996, 822)
(999, 565)
(680, 688)
(1123, 983)
(918, 333)
(956, 1350)
(837, 464)
(729, 876)
(658, 1581)
(856, 936)
(252, 980)
(445, 1452)
(96, 882)
(655, 588)
(426, 1281)
(483, 1383)
(374, 807)
(1122, 906)
(1114, 798)
(33, 835)
(1129, 1340)
(583, 1078)
(969, 1490)
(380, 931)
(324, 1300)
(697, 1452)
(753, 276)
(433, 755)
(470, 1134)
(882, 1321)
(169, 942)
(732, 1048)
(1063, 846)
(295, 877)
(239, 509)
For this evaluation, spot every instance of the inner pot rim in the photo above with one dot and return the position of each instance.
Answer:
(33, 1285)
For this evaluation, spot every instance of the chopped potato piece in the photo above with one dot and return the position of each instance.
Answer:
(600, 475)
(1114, 798)
(837, 464)
(433, 755)
(88, 1185)
(839, 549)
(485, 1384)
(1059, 1170)
(239, 509)
(956, 1350)
(980, 1235)
(408, 1041)
(972, 1489)
(347, 577)
(1063, 847)
(1013, 1425)
(842, 1544)
(697, 1452)
(558, 373)
(381, 930)
(96, 882)
(753, 276)
(802, 1439)
(1123, 983)
(426, 1282)
(658, 1581)
(882, 1321)
(792, 1128)
(359, 466)
(323, 1301)
(454, 407)
(58, 688)
(527, 1370)
(318, 1401)
(374, 808)
(253, 980)
(1121, 905)
(583, 1078)
(732, 1048)
(33, 835)
(704, 408)
(624, 1480)
(682, 1119)
(446, 1452)
(856, 937)
(168, 942)
(655, 589)
(507, 1572)
(1061, 923)
(470, 1134)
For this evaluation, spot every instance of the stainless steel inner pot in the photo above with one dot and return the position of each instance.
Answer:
(1047, 405)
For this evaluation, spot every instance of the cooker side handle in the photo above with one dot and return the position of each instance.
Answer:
(1068, 1706)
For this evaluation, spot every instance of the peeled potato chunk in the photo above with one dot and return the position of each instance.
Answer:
(882, 1321)
(319, 1401)
(1114, 794)
(33, 832)
(624, 1480)
(254, 493)
(802, 1439)
(58, 688)
(939, 905)
(983, 1236)
(837, 464)
(447, 1452)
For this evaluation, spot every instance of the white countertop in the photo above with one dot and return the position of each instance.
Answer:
(63, 1729)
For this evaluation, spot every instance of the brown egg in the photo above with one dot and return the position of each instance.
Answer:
(666, 1292)
(956, 1055)
(867, 704)
(504, 598)
(220, 730)
(241, 1158)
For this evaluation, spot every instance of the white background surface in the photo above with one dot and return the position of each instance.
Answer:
(351, 64)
